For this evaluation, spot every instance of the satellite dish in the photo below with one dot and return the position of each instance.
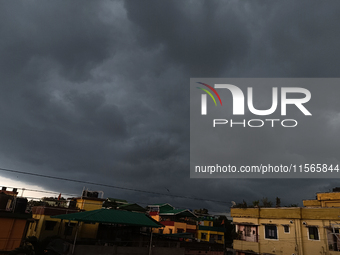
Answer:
(233, 203)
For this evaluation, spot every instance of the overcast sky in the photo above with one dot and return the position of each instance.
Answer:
(99, 90)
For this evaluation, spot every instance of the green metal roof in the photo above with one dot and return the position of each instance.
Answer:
(112, 216)
(111, 199)
(162, 207)
(178, 212)
(132, 207)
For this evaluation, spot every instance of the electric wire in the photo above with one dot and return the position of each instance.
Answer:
(110, 186)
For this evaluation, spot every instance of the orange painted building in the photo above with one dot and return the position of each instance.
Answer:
(13, 219)
(13, 227)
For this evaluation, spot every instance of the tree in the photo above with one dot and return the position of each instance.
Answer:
(278, 202)
(266, 202)
(256, 203)
(201, 212)
(241, 205)
(111, 204)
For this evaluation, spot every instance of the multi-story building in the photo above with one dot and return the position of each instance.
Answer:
(13, 219)
(45, 226)
(206, 232)
(310, 230)
(175, 220)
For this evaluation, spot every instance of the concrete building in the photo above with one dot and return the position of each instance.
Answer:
(13, 219)
(45, 226)
(310, 230)
(176, 221)
(206, 232)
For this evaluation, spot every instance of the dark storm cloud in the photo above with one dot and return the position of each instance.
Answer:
(99, 91)
(61, 32)
(198, 36)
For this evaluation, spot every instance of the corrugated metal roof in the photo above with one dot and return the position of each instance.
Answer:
(179, 212)
(112, 216)
(162, 207)
(111, 199)
(132, 207)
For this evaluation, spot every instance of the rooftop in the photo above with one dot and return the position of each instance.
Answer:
(112, 216)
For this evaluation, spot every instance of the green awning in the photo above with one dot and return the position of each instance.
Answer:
(111, 216)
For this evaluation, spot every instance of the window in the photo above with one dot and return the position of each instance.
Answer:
(180, 230)
(203, 236)
(219, 237)
(286, 228)
(49, 225)
(270, 232)
(161, 231)
(313, 233)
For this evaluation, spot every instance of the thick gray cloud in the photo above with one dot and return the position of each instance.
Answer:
(99, 91)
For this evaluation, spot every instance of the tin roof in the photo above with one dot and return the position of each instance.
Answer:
(179, 212)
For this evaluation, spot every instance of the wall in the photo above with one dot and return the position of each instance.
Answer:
(172, 227)
(11, 233)
(88, 231)
(297, 241)
(208, 236)
(38, 228)
(89, 204)
(286, 213)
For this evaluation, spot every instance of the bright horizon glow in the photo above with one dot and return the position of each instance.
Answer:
(9, 183)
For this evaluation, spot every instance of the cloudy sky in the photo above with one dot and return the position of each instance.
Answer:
(99, 91)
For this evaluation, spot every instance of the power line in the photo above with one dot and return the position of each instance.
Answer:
(51, 192)
(109, 186)
(89, 203)
(41, 191)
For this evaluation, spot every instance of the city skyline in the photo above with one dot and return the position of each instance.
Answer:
(99, 92)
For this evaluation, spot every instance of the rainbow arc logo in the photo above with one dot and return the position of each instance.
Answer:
(204, 97)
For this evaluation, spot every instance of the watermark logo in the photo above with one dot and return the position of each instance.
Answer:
(239, 99)
(204, 97)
